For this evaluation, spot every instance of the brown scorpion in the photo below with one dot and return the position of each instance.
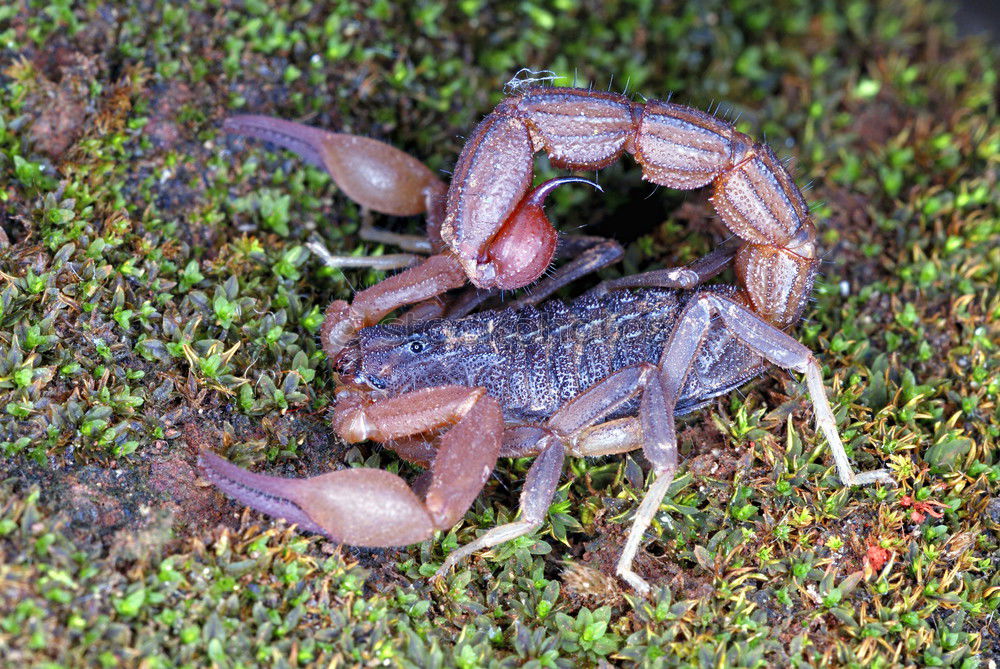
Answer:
(604, 374)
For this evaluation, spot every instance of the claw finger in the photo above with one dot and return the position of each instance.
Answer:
(267, 494)
(302, 140)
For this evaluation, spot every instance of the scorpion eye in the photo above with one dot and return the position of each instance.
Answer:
(416, 346)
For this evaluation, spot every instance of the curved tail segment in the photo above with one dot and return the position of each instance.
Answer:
(676, 146)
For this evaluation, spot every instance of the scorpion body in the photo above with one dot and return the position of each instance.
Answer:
(603, 374)
(532, 361)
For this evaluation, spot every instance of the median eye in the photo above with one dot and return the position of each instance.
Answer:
(416, 346)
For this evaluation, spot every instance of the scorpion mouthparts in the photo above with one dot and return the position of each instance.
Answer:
(347, 360)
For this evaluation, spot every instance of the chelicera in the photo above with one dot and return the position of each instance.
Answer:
(453, 390)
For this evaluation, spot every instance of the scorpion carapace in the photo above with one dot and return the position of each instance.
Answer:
(604, 374)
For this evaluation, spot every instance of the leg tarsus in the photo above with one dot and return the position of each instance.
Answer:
(827, 424)
(493, 537)
(871, 477)
(643, 518)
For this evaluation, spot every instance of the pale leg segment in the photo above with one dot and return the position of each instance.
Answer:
(661, 394)
(656, 415)
(784, 351)
(418, 246)
(677, 278)
(386, 262)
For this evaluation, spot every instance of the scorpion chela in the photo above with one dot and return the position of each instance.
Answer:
(607, 373)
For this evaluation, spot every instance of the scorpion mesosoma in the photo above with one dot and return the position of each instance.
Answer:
(604, 374)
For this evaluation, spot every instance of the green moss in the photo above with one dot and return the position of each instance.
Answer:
(159, 278)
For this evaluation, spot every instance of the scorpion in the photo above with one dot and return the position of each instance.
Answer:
(452, 390)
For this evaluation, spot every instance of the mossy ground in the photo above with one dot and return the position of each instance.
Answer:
(156, 280)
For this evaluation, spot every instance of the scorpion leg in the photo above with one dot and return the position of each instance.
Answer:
(574, 425)
(588, 254)
(388, 261)
(372, 507)
(610, 438)
(412, 243)
(418, 246)
(539, 487)
(785, 352)
(550, 443)
(656, 416)
(661, 395)
(678, 278)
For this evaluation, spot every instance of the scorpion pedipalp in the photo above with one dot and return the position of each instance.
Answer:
(372, 507)
(372, 173)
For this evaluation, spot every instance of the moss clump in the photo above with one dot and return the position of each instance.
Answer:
(155, 275)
